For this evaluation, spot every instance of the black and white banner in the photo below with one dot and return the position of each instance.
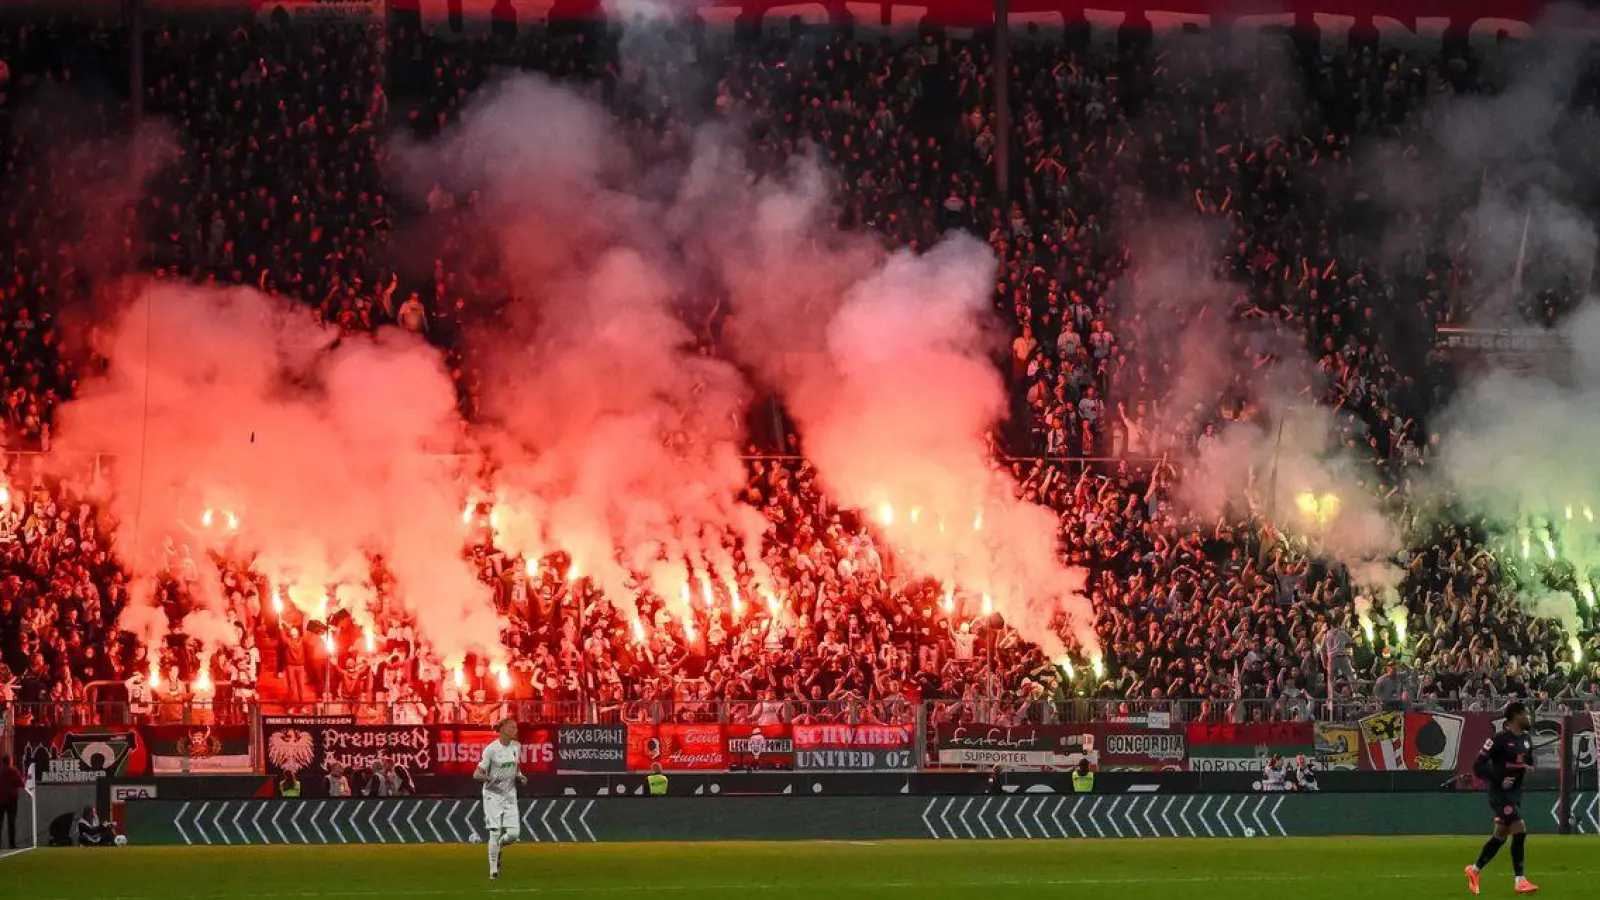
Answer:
(592, 748)
(303, 747)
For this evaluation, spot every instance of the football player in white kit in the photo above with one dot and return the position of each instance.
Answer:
(499, 772)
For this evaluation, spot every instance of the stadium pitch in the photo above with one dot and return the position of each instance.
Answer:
(1261, 869)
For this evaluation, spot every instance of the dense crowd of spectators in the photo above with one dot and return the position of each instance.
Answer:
(266, 167)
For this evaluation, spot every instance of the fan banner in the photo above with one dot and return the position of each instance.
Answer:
(1246, 746)
(1106, 746)
(753, 747)
(198, 749)
(676, 747)
(592, 748)
(1482, 20)
(1338, 745)
(457, 748)
(1413, 741)
(82, 754)
(300, 749)
(857, 748)
(1593, 746)
(318, 11)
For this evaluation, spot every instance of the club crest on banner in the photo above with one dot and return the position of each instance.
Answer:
(77, 756)
(1415, 741)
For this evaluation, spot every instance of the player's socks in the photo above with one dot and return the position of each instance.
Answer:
(1490, 848)
(1518, 852)
(494, 853)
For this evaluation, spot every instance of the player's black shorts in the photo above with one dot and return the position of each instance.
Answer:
(1507, 806)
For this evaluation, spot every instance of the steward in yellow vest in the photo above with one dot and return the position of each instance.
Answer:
(656, 781)
(1083, 778)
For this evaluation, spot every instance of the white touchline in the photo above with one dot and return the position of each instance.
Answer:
(17, 852)
(747, 887)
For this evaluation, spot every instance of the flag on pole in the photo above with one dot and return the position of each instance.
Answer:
(1594, 741)
(28, 785)
(1522, 256)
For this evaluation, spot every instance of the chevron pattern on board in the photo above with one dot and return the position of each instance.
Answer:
(1585, 812)
(1102, 816)
(370, 821)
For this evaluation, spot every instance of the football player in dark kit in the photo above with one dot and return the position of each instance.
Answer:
(1505, 759)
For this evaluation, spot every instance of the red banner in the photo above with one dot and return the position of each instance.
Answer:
(1333, 18)
(1245, 746)
(457, 748)
(1251, 734)
(760, 746)
(853, 737)
(676, 747)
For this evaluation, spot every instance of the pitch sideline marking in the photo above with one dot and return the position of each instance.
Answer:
(878, 885)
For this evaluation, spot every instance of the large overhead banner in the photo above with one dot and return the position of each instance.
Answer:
(1430, 20)
(316, 11)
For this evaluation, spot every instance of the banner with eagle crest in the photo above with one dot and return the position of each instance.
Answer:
(299, 749)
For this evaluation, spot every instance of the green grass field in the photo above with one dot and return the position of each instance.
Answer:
(1291, 869)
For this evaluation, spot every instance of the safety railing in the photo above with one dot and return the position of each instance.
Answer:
(895, 711)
